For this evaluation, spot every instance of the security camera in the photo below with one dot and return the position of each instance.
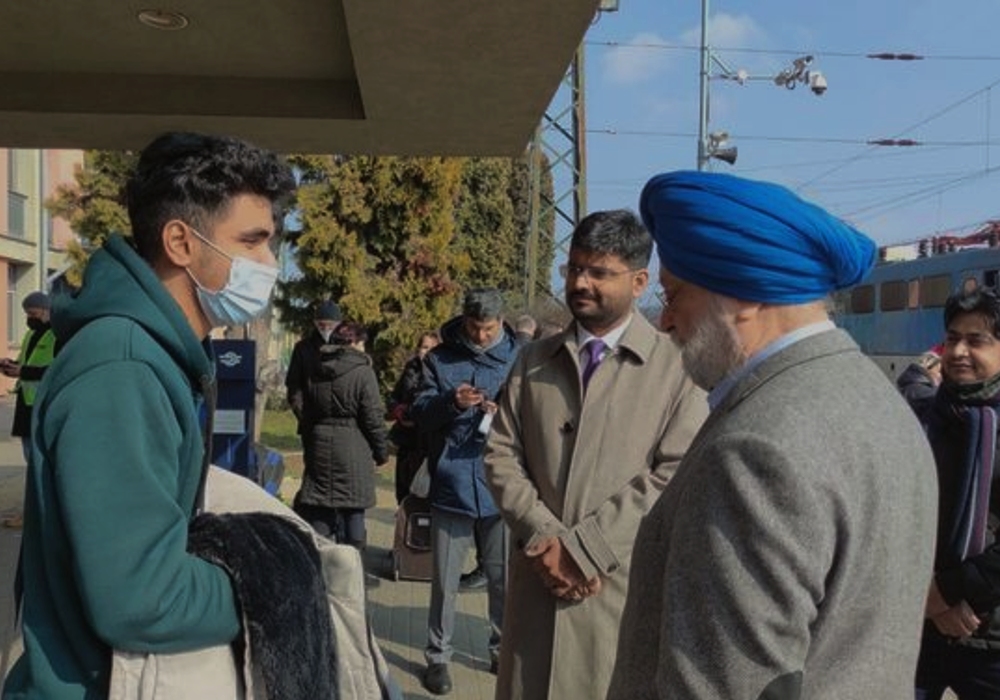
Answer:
(817, 82)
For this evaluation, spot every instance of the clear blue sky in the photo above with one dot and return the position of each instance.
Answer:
(642, 69)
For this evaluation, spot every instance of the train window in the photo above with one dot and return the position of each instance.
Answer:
(934, 291)
(893, 295)
(863, 299)
(914, 294)
(991, 278)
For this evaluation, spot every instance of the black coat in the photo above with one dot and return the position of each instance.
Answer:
(302, 370)
(406, 437)
(345, 435)
(975, 579)
(917, 388)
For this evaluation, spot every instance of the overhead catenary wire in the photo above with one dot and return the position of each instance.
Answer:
(874, 149)
(841, 186)
(884, 154)
(936, 115)
(871, 55)
(884, 207)
(611, 131)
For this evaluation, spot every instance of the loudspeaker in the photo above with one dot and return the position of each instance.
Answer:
(726, 154)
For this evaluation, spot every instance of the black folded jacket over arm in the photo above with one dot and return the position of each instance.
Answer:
(278, 579)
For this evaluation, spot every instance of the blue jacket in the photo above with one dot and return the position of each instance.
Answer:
(455, 444)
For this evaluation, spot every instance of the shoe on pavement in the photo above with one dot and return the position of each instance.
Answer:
(437, 679)
(472, 581)
(14, 522)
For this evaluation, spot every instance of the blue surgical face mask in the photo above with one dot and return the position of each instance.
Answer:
(245, 295)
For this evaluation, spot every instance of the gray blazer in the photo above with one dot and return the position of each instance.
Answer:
(791, 554)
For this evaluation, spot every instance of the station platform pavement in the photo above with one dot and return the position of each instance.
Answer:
(398, 609)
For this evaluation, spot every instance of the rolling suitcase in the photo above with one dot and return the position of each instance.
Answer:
(411, 547)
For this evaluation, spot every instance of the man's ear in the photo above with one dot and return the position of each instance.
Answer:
(745, 310)
(639, 283)
(175, 239)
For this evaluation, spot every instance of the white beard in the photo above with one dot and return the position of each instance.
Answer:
(713, 352)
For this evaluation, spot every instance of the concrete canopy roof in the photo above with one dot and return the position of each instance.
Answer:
(403, 77)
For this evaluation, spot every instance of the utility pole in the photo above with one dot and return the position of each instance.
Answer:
(706, 61)
(713, 145)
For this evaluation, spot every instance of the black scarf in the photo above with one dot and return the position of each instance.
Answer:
(962, 429)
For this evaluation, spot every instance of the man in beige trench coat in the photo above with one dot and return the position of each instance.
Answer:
(581, 448)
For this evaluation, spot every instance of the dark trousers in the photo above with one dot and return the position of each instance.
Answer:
(343, 525)
(973, 674)
(408, 461)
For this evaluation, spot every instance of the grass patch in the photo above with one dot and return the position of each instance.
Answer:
(385, 476)
(278, 431)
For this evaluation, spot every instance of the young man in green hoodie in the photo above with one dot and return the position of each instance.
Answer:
(122, 417)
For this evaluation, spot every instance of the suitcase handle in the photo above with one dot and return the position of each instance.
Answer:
(419, 524)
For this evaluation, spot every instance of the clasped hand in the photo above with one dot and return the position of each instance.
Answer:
(559, 572)
(958, 621)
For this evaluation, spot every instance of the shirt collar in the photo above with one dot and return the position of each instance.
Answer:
(611, 339)
(719, 392)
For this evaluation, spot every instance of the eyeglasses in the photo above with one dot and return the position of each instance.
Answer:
(593, 273)
(666, 298)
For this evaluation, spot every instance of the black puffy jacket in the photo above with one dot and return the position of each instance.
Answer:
(346, 434)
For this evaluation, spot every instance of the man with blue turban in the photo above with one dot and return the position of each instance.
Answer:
(790, 555)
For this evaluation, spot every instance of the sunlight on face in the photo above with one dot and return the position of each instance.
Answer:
(713, 350)
(971, 352)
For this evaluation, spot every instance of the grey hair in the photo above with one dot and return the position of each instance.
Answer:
(526, 324)
(483, 304)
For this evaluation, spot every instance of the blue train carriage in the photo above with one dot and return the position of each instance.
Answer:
(897, 313)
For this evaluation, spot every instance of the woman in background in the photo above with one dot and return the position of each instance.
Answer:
(346, 441)
(410, 449)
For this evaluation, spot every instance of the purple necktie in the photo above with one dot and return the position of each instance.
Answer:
(594, 350)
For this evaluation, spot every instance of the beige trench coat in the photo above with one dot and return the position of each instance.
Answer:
(586, 469)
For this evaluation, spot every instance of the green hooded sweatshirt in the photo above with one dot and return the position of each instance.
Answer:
(116, 465)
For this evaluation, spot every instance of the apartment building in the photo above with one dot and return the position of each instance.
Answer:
(32, 243)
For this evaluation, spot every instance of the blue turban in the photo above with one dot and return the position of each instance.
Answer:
(751, 240)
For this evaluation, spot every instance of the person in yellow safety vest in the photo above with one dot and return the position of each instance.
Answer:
(37, 351)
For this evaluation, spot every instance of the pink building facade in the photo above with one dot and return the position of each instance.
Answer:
(32, 243)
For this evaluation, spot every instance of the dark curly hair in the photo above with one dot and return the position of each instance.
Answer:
(194, 177)
(982, 300)
(616, 232)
